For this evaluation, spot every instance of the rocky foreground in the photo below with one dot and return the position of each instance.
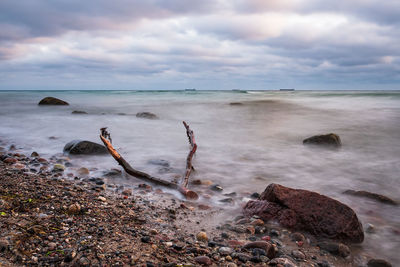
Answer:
(48, 220)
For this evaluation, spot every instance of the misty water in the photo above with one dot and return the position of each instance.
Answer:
(241, 147)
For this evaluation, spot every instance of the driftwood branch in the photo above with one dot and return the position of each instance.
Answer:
(193, 145)
(106, 138)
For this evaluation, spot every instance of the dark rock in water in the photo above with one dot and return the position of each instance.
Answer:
(374, 196)
(255, 195)
(79, 112)
(235, 104)
(146, 115)
(308, 211)
(332, 140)
(378, 263)
(226, 200)
(216, 187)
(79, 147)
(112, 173)
(52, 101)
(34, 154)
(159, 162)
(335, 248)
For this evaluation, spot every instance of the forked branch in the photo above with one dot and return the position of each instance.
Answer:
(106, 139)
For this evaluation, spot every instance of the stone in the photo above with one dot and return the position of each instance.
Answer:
(127, 192)
(159, 162)
(203, 260)
(282, 261)
(378, 263)
(79, 112)
(225, 251)
(34, 154)
(309, 211)
(10, 160)
(83, 171)
(146, 115)
(335, 248)
(84, 261)
(74, 208)
(52, 245)
(373, 196)
(102, 198)
(298, 255)
(216, 187)
(80, 147)
(52, 101)
(58, 167)
(297, 237)
(267, 246)
(202, 236)
(257, 222)
(330, 140)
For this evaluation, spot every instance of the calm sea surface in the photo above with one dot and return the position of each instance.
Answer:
(241, 147)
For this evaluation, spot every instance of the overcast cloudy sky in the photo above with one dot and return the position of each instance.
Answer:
(205, 44)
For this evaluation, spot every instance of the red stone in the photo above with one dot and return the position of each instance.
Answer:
(307, 211)
(10, 160)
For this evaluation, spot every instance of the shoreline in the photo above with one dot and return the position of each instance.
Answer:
(49, 220)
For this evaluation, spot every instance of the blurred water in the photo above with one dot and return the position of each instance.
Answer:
(242, 147)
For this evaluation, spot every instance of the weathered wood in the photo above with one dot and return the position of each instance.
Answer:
(106, 139)
(189, 166)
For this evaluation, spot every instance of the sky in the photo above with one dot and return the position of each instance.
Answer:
(205, 44)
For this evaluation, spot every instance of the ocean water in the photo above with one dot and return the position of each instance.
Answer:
(241, 147)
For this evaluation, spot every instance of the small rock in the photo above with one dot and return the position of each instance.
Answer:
(226, 200)
(267, 246)
(10, 160)
(335, 248)
(216, 187)
(203, 260)
(58, 167)
(332, 140)
(52, 245)
(202, 236)
(74, 208)
(83, 171)
(102, 198)
(145, 239)
(370, 228)
(282, 261)
(146, 115)
(34, 154)
(231, 264)
(297, 237)
(84, 261)
(159, 162)
(298, 255)
(79, 112)
(225, 251)
(127, 192)
(257, 222)
(378, 263)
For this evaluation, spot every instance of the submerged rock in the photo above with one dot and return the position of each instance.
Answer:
(374, 196)
(52, 101)
(79, 147)
(146, 115)
(79, 112)
(332, 140)
(378, 263)
(309, 211)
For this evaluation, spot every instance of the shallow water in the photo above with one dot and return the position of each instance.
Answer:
(241, 147)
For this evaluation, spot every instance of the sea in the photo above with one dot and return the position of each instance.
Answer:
(246, 140)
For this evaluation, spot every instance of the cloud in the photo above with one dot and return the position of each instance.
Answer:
(215, 44)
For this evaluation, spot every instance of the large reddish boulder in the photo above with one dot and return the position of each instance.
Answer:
(308, 211)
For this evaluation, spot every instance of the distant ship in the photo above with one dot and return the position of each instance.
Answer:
(287, 89)
(190, 89)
